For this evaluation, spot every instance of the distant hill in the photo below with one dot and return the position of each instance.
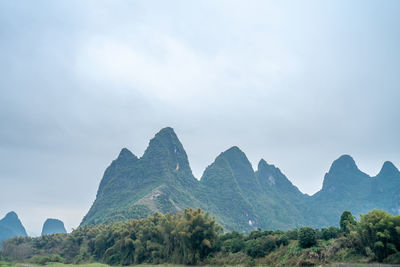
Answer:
(11, 226)
(53, 226)
(239, 197)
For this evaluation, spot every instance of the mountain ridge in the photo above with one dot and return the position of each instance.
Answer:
(240, 197)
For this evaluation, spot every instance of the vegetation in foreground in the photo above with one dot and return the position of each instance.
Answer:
(193, 237)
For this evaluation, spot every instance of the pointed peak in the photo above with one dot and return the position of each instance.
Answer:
(125, 154)
(233, 149)
(11, 215)
(388, 168)
(345, 158)
(166, 131)
(264, 167)
(165, 136)
(166, 147)
(14, 225)
(344, 162)
(234, 154)
(264, 164)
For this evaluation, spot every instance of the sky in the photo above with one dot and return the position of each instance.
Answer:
(297, 83)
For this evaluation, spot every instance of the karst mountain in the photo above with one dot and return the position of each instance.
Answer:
(239, 197)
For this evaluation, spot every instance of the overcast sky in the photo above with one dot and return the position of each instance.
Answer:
(298, 83)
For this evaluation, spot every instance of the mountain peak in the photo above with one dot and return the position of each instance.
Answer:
(235, 156)
(126, 154)
(262, 164)
(166, 130)
(166, 133)
(271, 176)
(344, 162)
(388, 168)
(166, 150)
(11, 215)
(344, 177)
(11, 226)
(233, 150)
(53, 226)
(165, 137)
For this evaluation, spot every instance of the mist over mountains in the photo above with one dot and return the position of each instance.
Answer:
(240, 197)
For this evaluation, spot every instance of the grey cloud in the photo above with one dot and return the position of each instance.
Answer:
(296, 84)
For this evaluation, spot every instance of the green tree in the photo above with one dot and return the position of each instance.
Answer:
(380, 232)
(347, 222)
(330, 233)
(198, 234)
(307, 237)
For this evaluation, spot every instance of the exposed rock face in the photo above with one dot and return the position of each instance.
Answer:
(53, 226)
(11, 226)
(239, 197)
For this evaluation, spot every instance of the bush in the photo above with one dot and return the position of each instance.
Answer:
(307, 237)
(292, 234)
(43, 260)
(257, 248)
(283, 240)
(330, 233)
(234, 245)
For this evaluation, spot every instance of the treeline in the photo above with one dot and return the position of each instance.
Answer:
(193, 237)
(186, 237)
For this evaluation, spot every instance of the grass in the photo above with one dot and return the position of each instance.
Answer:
(56, 264)
(6, 264)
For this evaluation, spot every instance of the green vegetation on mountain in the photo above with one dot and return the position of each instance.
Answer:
(230, 190)
(193, 237)
(160, 181)
(11, 226)
(53, 226)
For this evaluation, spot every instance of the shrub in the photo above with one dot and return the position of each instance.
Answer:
(234, 245)
(292, 234)
(330, 233)
(43, 260)
(257, 248)
(283, 240)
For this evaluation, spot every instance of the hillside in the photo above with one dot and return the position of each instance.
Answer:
(239, 197)
(53, 226)
(11, 226)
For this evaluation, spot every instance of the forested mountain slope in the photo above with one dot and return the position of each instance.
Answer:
(239, 197)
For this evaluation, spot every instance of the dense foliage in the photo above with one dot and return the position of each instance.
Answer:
(187, 238)
(307, 237)
(192, 237)
(347, 221)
